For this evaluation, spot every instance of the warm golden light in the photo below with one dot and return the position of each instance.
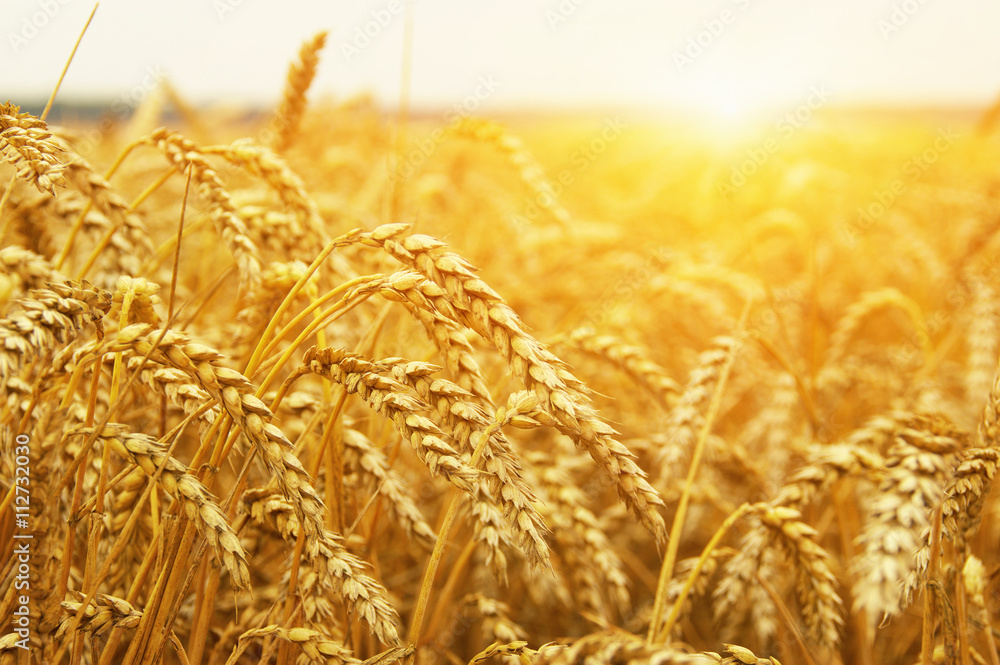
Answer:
(523, 333)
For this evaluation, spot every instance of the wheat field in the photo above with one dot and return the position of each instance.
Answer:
(322, 387)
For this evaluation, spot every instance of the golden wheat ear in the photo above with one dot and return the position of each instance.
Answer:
(27, 144)
(461, 295)
(288, 116)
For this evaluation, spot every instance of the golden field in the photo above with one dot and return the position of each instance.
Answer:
(321, 386)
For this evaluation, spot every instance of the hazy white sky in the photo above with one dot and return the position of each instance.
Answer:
(721, 54)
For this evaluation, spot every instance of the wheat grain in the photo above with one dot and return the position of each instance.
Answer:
(740, 656)
(983, 344)
(826, 465)
(492, 532)
(268, 166)
(966, 491)
(33, 271)
(496, 649)
(176, 385)
(777, 429)
(687, 416)
(10, 649)
(780, 527)
(142, 298)
(495, 614)
(590, 560)
(457, 351)
(618, 648)
(127, 494)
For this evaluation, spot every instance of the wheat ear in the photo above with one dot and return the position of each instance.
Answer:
(633, 360)
(384, 395)
(562, 396)
(503, 470)
(288, 117)
(911, 489)
(234, 392)
(105, 613)
(25, 142)
(316, 647)
(49, 317)
(335, 567)
(184, 154)
(616, 648)
(196, 501)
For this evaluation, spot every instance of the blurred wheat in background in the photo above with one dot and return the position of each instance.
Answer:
(302, 388)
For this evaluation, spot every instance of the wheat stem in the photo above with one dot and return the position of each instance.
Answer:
(655, 634)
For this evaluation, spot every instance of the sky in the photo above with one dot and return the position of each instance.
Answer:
(722, 57)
